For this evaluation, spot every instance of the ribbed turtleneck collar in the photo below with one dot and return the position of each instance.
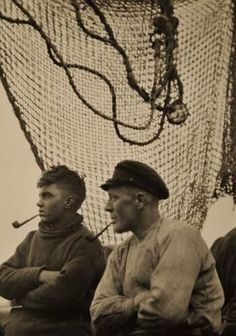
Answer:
(53, 230)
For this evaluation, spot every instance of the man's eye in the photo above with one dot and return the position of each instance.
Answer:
(46, 196)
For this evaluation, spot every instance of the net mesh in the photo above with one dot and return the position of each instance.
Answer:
(80, 74)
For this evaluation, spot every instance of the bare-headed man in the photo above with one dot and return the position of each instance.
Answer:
(55, 270)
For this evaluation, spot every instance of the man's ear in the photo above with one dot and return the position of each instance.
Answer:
(69, 202)
(140, 200)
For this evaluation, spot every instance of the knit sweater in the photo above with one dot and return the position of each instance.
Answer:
(60, 307)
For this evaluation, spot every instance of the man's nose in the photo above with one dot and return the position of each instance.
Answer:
(39, 203)
(108, 206)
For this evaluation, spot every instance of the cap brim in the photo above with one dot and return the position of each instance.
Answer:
(106, 186)
(109, 184)
(165, 194)
(115, 183)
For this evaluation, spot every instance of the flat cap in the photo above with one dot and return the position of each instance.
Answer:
(140, 175)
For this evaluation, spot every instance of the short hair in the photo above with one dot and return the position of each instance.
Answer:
(67, 178)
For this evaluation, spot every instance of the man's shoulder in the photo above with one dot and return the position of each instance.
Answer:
(183, 236)
(28, 239)
(231, 235)
(84, 243)
(86, 236)
(170, 226)
(225, 244)
(30, 235)
(174, 229)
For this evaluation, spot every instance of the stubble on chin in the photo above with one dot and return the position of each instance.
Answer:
(45, 220)
(118, 228)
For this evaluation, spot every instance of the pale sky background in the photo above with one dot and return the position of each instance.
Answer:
(19, 173)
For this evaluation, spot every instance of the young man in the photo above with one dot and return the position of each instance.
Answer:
(54, 272)
(162, 281)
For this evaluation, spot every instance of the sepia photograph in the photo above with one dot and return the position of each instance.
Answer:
(118, 167)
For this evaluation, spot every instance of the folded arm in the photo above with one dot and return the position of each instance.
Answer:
(110, 309)
(16, 279)
(65, 289)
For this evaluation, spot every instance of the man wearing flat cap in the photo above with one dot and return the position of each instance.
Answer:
(162, 280)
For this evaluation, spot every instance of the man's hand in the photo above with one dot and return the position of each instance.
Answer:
(140, 297)
(48, 276)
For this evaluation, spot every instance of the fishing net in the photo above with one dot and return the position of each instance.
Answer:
(95, 82)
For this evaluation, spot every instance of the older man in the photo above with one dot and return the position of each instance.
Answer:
(54, 272)
(162, 280)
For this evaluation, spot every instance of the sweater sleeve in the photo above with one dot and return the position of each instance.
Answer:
(72, 288)
(16, 279)
(110, 309)
(172, 282)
